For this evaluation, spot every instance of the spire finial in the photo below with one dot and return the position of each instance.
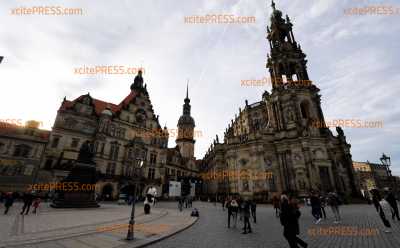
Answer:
(187, 89)
(273, 5)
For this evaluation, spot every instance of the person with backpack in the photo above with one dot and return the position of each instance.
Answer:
(334, 202)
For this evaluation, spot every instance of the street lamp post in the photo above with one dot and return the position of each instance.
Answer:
(139, 158)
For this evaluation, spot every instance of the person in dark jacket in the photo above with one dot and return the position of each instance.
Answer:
(246, 217)
(28, 199)
(8, 201)
(316, 207)
(391, 199)
(375, 200)
(229, 207)
(289, 218)
(253, 207)
(323, 205)
(376, 196)
(275, 203)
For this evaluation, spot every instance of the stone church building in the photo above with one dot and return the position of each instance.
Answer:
(111, 128)
(275, 135)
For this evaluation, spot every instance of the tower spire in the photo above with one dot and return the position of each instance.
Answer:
(187, 89)
(287, 59)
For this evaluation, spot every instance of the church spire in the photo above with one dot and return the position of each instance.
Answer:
(186, 106)
(187, 90)
(287, 61)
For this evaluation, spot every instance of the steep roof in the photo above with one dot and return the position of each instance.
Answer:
(100, 105)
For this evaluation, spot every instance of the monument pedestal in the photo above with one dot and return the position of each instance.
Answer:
(82, 173)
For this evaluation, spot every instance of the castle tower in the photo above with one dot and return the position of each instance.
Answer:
(186, 126)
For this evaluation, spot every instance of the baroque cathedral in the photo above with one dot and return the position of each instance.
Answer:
(111, 128)
(275, 135)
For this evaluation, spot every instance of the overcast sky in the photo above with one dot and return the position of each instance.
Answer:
(354, 60)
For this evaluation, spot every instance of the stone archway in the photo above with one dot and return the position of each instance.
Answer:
(107, 192)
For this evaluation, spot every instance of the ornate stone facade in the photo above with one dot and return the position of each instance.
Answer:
(111, 128)
(275, 135)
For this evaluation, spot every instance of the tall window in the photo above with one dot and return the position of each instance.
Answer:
(153, 158)
(74, 142)
(48, 164)
(114, 151)
(110, 169)
(305, 110)
(55, 142)
(22, 151)
(151, 173)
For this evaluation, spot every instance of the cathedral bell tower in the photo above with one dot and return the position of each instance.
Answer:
(186, 126)
(294, 102)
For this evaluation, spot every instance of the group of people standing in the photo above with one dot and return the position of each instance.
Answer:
(185, 201)
(28, 199)
(246, 209)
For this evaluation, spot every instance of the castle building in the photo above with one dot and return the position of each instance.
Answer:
(21, 150)
(112, 128)
(275, 136)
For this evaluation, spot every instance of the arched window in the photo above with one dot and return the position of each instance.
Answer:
(305, 110)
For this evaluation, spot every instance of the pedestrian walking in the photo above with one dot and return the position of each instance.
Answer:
(147, 205)
(316, 207)
(375, 200)
(190, 201)
(246, 217)
(234, 209)
(36, 204)
(276, 204)
(180, 204)
(229, 207)
(223, 202)
(323, 205)
(27, 198)
(8, 201)
(334, 202)
(391, 199)
(289, 218)
(253, 207)
(383, 209)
